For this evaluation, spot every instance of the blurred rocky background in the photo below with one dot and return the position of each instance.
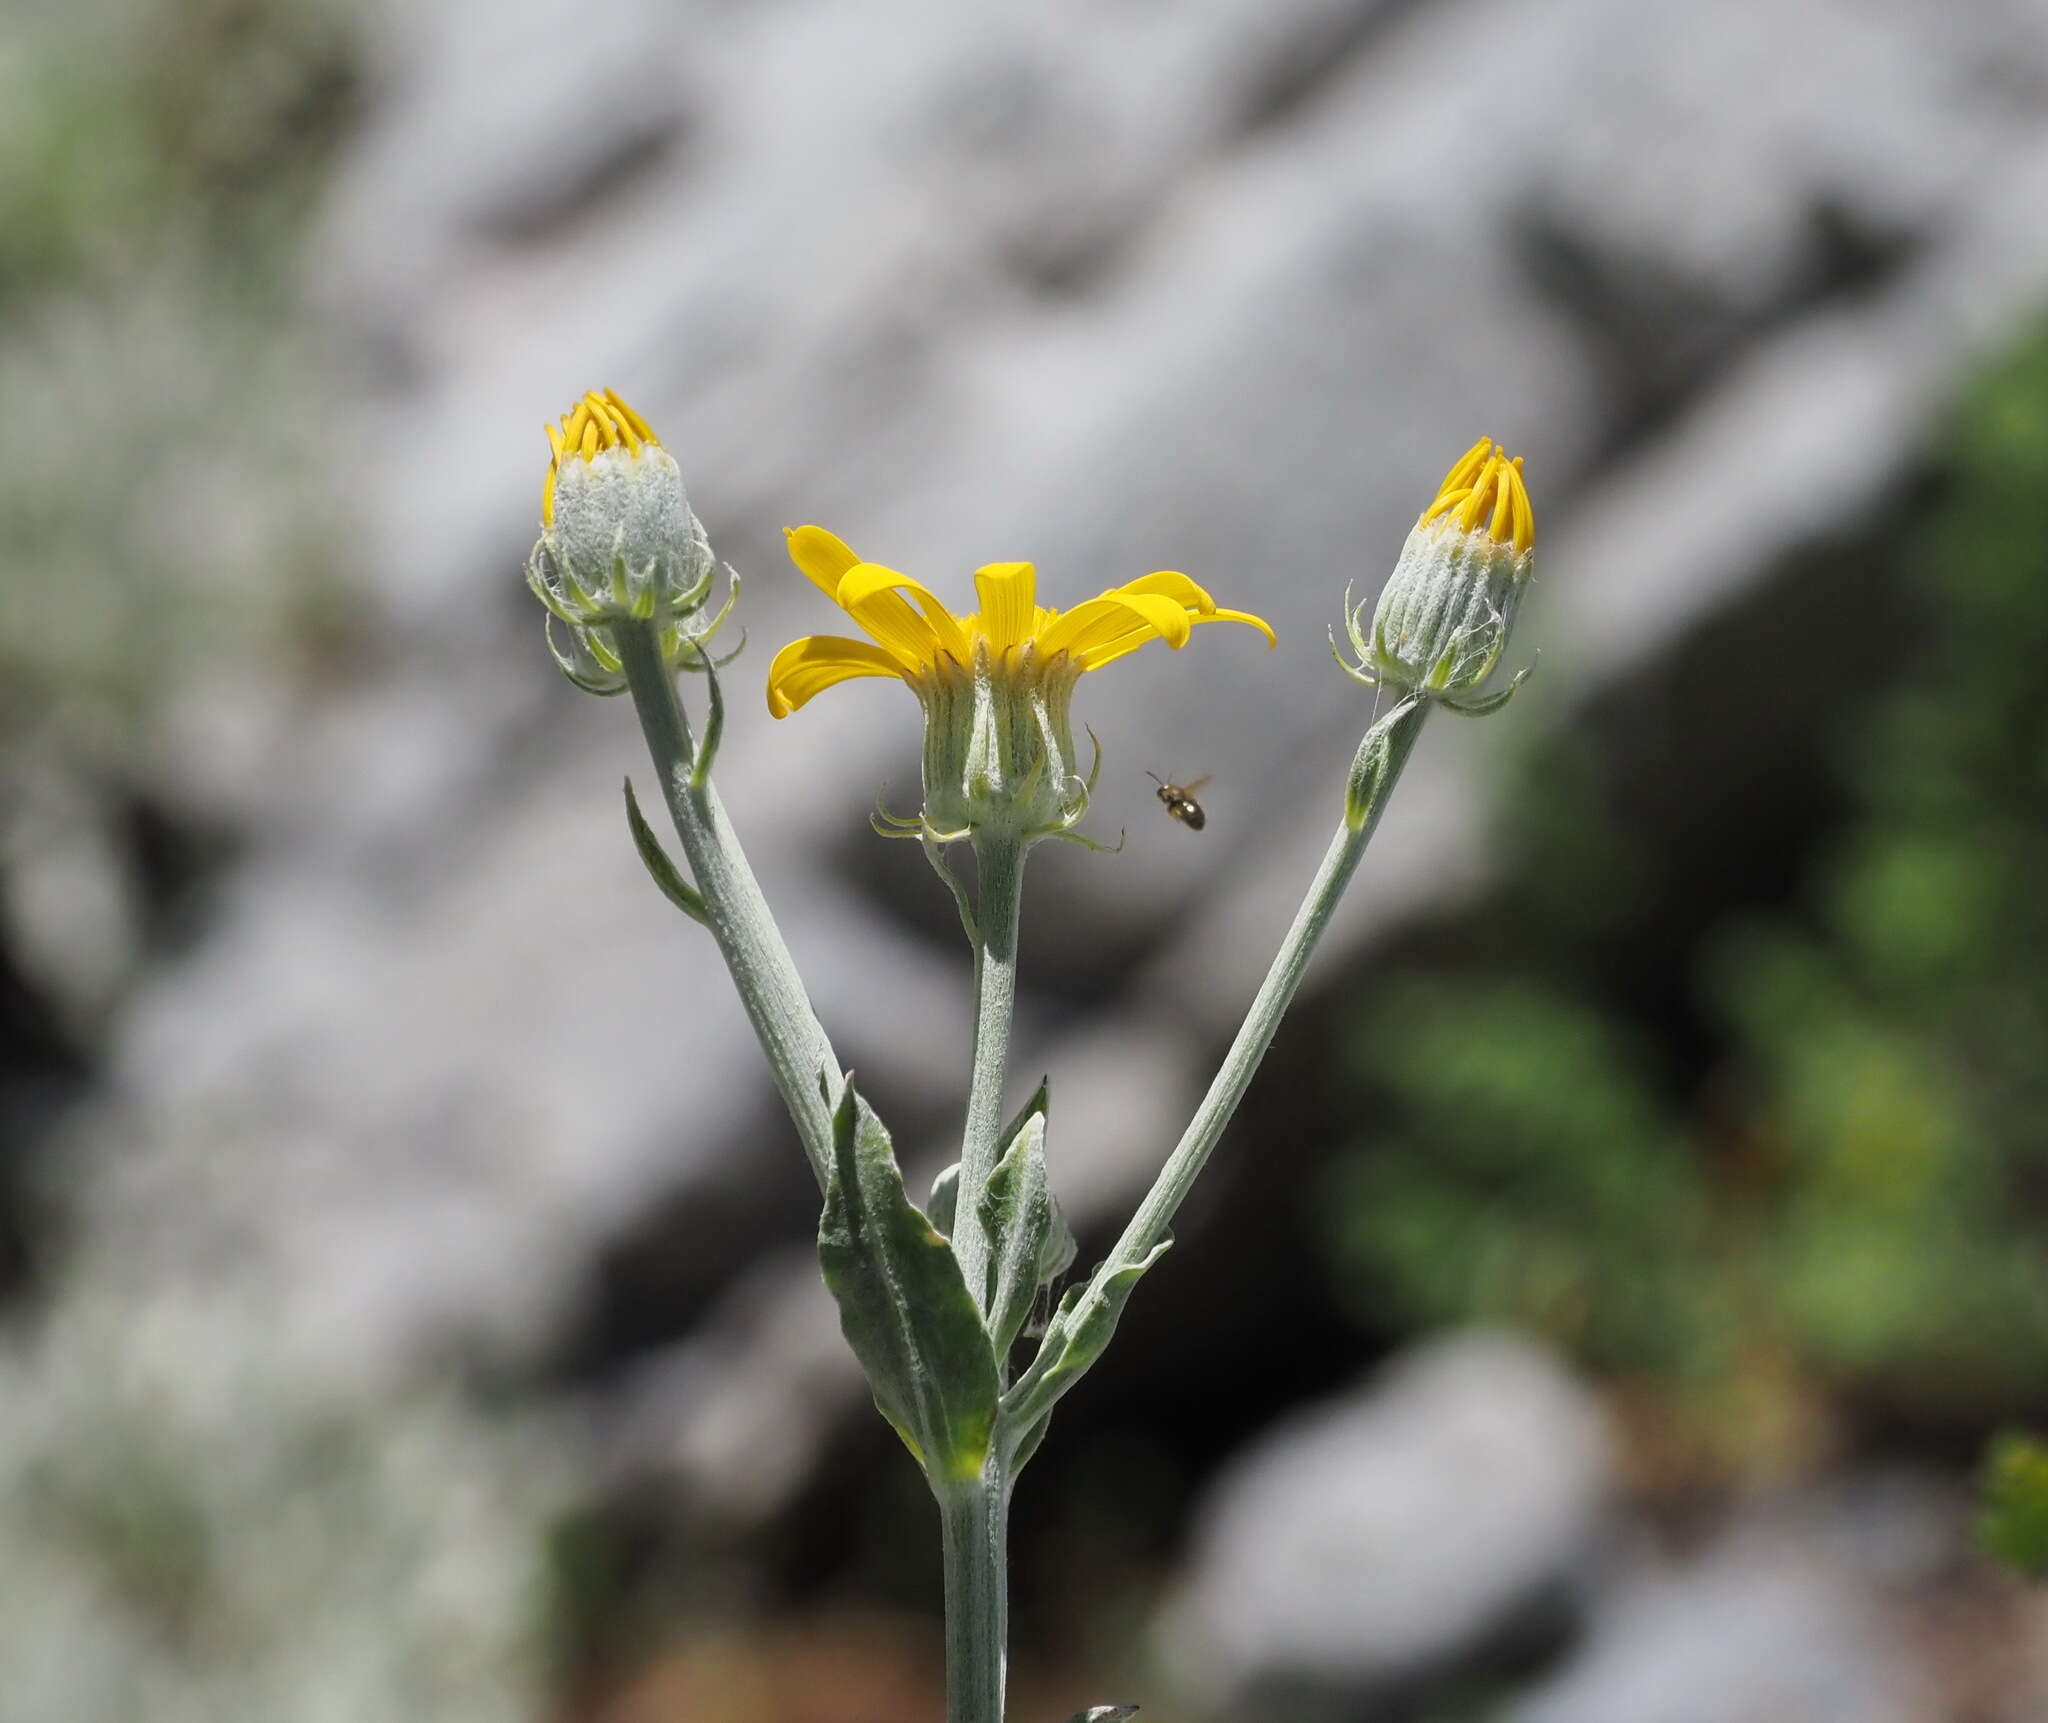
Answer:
(1598, 1311)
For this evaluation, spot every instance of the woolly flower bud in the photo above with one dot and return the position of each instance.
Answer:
(1445, 613)
(618, 543)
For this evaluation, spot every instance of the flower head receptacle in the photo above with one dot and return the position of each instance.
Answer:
(618, 544)
(1444, 616)
(995, 685)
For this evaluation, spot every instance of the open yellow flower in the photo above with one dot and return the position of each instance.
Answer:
(994, 684)
(911, 636)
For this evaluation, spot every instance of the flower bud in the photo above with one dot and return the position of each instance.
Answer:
(1445, 613)
(618, 541)
(618, 544)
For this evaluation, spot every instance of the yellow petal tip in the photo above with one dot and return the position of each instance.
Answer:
(596, 423)
(1484, 492)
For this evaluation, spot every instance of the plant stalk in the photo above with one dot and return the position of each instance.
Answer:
(976, 1523)
(1386, 748)
(748, 939)
(999, 892)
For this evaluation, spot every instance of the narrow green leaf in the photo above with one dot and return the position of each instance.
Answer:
(1027, 1444)
(714, 730)
(1060, 1248)
(1017, 1215)
(935, 855)
(1105, 1714)
(1381, 754)
(659, 868)
(903, 1303)
(1368, 777)
(1479, 705)
(941, 1206)
(1074, 1339)
(1037, 1106)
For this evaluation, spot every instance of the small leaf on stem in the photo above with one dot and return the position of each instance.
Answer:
(659, 868)
(941, 1206)
(1024, 1231)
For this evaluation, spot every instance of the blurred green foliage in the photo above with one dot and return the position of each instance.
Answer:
(157, 124)
(1847, 1191)
(164, 502)
(2014, 1522)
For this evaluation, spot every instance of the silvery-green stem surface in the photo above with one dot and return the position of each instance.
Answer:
(1387, 745)
(747, 936)
(976, 1520)
(999, 889)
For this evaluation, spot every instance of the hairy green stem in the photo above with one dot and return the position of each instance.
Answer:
(748, 939)
(999, 894)
(1381, 756)
(975, 1519)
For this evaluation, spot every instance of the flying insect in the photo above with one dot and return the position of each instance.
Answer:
(1180, 801)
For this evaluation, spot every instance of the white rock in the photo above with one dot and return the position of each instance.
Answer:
(1378, 1536)
(1757, 1633)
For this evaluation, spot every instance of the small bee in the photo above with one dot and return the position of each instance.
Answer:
(1180, 801)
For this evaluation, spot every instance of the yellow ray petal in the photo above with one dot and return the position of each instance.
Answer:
(873, 596)
(807, 667)
(1248, 619)
(1171, 583)
(1114, 613)
(1501, 528)
(629, 418)
(821, 556)
(1463, 475)
(1108, 651)
(1524, 522)
(1009, 602)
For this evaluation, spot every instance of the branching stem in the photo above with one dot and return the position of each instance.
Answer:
(1381, 756)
